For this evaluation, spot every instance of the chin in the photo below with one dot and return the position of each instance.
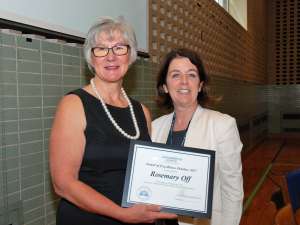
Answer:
(113, 78)
(187, 104)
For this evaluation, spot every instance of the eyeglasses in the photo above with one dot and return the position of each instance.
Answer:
(117, 50)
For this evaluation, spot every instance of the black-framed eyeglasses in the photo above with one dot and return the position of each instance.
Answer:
(117, 50)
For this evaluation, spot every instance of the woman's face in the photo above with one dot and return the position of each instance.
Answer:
(110, 68)
(183, 83)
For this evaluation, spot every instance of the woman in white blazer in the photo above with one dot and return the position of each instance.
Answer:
(182, 87)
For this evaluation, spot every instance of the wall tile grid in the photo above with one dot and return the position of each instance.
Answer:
(140, 83)
(34, 74)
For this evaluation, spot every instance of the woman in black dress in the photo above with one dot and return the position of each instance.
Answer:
(91, 132)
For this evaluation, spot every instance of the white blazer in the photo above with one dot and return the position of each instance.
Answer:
(215, 131)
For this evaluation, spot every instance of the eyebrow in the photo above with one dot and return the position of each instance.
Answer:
(189, 70)
(117, 44)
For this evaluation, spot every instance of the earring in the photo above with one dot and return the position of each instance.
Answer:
(201, 86)
(165, 89)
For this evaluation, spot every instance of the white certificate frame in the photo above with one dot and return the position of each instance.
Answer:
(179, 179)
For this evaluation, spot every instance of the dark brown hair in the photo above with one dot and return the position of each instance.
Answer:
(164, 99)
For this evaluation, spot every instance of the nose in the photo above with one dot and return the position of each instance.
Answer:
(184, 79)
(110, 56)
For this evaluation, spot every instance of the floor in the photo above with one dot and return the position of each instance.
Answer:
(264, 170)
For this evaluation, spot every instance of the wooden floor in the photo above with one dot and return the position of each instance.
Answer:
(264, 170)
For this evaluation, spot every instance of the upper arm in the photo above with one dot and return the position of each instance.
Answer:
(230, 147)
(67, 141)
(228, 136)
(148, 118)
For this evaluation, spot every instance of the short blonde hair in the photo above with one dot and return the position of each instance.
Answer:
(109, 26)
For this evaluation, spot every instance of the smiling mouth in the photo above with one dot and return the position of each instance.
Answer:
(183, 91)
(111, 67)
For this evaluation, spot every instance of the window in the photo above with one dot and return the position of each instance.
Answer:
(237, 9)
(223, 3)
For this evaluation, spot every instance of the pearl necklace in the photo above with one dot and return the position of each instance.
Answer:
(112, 120)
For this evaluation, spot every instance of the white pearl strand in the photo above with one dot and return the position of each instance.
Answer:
(116, 125)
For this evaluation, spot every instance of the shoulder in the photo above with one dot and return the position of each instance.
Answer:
(215, 115)
(147, 116)
(220, 121)
(134, 101)
(161, 127)
(71, 99)
(224, 128)
(160, 120)
(146, 111)
(142, 111)
(70, 106)
(139, 106)
(69, 116)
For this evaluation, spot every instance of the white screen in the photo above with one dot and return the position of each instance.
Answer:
(75, 17)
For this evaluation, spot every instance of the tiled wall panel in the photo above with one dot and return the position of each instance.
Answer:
(34, 73)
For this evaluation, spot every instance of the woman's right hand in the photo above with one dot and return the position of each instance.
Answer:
(144, 214)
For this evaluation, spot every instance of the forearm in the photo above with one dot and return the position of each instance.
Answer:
(231, 212)
(88, 199)
(232, 194)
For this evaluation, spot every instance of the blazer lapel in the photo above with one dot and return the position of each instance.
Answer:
(194, 125)
(166, 128)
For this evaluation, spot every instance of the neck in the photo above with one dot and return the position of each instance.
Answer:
(113, 121)
(183, 117)
(110, 92)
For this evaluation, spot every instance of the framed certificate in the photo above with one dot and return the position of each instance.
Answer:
(179, 179)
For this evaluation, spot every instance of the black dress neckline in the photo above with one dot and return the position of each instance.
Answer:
(98, 100)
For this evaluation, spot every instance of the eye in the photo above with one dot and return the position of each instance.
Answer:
(119, 47)
(100, 48)
(193, 75)
(175, 75)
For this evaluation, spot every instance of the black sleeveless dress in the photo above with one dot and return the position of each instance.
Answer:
(105, 157)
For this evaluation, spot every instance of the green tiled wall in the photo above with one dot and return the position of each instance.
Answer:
(34, 74)
(140, 83)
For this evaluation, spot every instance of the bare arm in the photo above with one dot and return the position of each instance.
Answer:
(67, 142)
(148, 118)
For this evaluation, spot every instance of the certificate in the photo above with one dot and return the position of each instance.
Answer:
(179, 179)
